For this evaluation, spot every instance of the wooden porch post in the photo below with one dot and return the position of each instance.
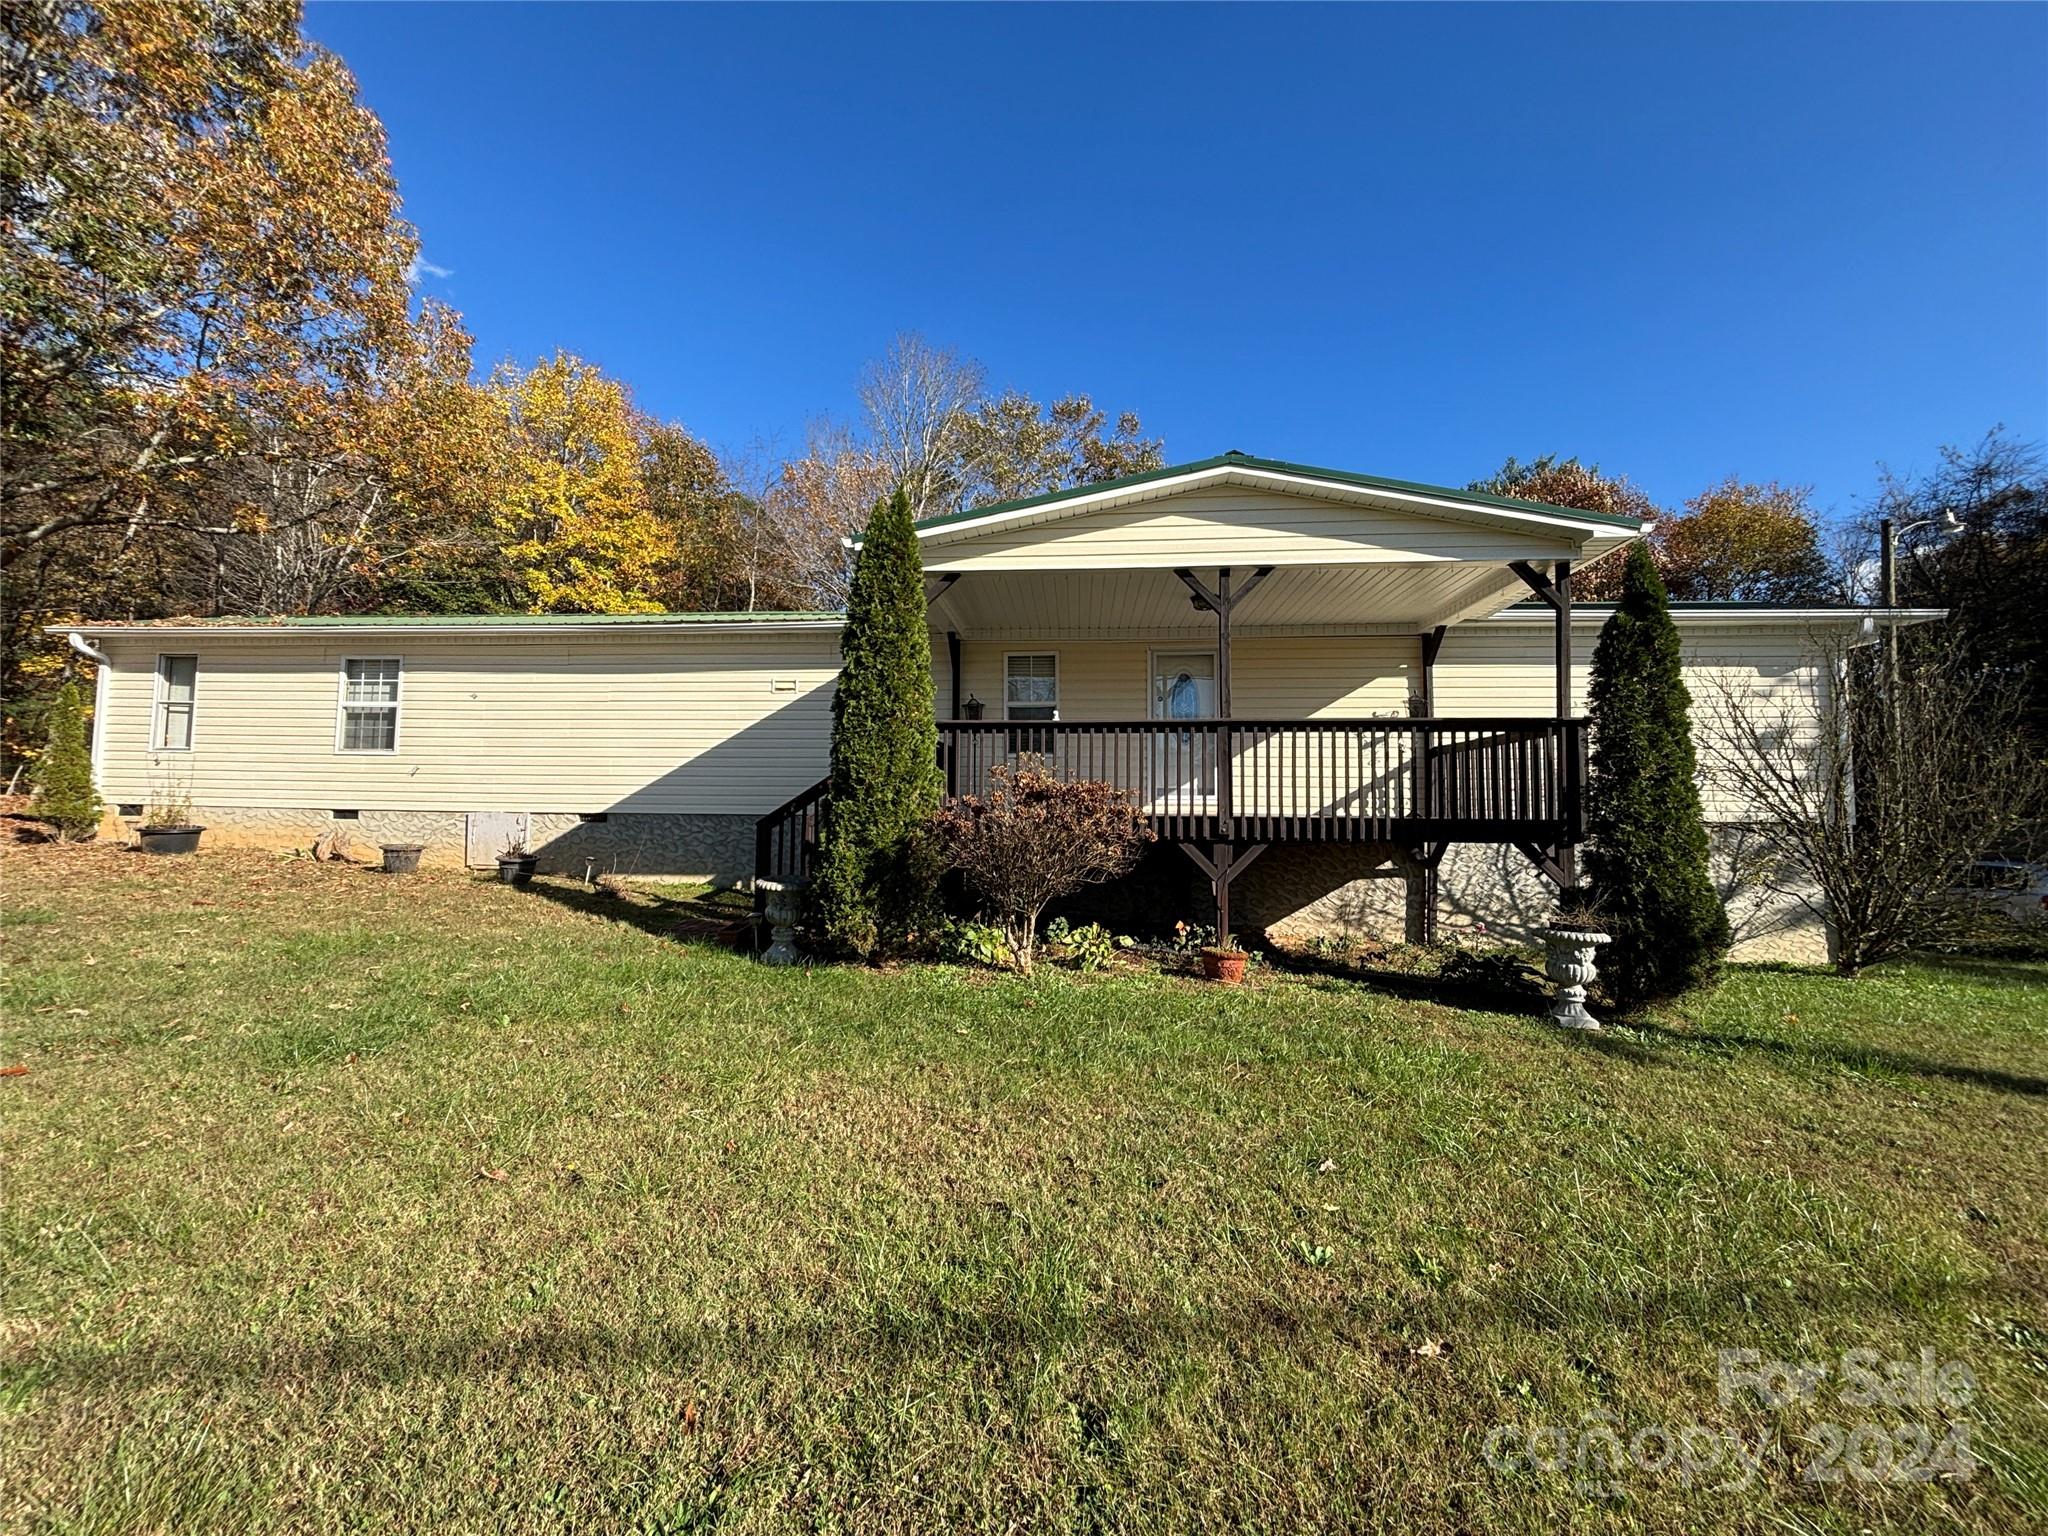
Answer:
(1222, 867)
(953, 664)
(1560, 863)
(1567, 852)
(1423, 867)
(1563, 583)
(1222, 607)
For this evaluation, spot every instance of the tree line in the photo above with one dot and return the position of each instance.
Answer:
(220, 393)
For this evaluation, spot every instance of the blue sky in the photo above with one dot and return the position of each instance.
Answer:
(1776, 241)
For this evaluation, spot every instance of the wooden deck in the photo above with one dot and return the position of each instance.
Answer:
(1414, 783)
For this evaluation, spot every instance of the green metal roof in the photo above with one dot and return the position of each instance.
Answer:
(1280, 466)
(474, 620)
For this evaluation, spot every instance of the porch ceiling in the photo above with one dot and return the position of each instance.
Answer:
(1118, 604)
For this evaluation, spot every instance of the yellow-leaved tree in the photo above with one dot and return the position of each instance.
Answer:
(576, 523)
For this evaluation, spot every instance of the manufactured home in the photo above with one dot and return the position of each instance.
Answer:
(1356, 704)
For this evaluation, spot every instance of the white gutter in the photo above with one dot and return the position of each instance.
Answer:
(1597, 613)
(84, 647)
(101, 673)
(334, 632)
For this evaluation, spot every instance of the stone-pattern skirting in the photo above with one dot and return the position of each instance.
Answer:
(1350, 890)
(719, 849)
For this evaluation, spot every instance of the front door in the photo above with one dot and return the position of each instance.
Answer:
(1183, 762)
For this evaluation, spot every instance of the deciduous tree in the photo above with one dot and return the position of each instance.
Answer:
(1012, 447)
(1560, 482)
(1744, 541)
(1992, 574)
(576, 522)
(201, 231)
(1874, 796)
(916, 398)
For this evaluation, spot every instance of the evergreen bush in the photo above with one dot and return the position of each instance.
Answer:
(65, 796)
(1647, 853)
(878, 864)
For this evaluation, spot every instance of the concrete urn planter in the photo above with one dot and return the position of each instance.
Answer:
(782, 905)
(1568, 956)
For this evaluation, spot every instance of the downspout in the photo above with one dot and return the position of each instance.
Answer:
(104, 666)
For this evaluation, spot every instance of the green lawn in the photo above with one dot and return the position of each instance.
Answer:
(335, 1202)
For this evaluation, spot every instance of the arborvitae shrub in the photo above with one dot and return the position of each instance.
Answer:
(878, 864)
(1647, 853)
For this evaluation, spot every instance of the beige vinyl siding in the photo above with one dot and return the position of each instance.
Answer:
(1272, 677)
(1236, 527)
(658, 723)
(694, 723)
(1498, 669)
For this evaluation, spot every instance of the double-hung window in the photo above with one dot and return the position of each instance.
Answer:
(1031, 686)
(177, 684)
(369, 705)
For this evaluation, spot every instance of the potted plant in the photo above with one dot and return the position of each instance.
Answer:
(516, 862)
(167, 825)
(1224, 961)
(402, 858)
(1571, 941)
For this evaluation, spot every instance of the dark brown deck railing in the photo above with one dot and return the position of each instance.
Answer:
(1275, 781)
(1306, 780)
(786, 839)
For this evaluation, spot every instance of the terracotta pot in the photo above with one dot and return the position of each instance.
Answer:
(1224, 965)
(170, 839)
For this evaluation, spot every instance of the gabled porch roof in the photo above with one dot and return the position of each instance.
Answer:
(1343, 551)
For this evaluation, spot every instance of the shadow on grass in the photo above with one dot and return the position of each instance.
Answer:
(914, 1330)
(1448, 992)
(2018, 968)
(722, 917)
(1641, 1038)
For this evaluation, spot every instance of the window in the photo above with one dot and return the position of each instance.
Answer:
(177, 681)
(1031, 687)
(369, 705)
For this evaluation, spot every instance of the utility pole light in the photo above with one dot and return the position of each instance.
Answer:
(1888, 575)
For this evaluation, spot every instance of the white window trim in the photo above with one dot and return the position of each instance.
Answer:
(1055, 655)
(156, 707)
(1152, 656)
(341, 708)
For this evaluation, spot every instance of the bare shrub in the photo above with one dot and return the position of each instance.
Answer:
(1034, 838)
(1872, 796)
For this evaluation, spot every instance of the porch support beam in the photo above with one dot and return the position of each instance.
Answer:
(1432, 641)
(1222, 866)
(1422, 862)
(1551, 863)
(1555, 590)
(1222, 601)
(945, 580)
(953, 668)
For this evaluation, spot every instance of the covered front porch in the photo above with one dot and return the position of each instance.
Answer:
(1252, 651)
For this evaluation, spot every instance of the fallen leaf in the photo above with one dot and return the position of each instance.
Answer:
(1327, 1165)
(17, 1070)
(1431, 1349)
(495, 1175)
